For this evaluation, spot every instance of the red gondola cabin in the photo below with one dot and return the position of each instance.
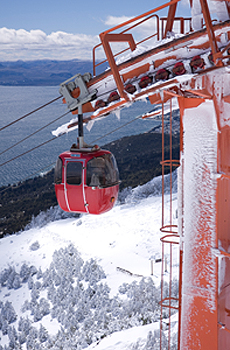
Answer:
(86, 181)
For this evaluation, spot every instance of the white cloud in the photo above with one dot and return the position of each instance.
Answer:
(139, 32)
(35, 44)
(112, 21)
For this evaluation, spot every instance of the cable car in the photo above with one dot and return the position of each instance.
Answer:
(86, 180)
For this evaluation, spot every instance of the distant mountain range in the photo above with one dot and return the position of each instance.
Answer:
(41, 72)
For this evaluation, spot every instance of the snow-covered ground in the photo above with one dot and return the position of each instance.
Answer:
(117, 250)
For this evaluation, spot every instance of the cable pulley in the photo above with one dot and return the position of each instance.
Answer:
(84, 94)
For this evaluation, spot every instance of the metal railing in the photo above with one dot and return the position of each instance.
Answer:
(132, 24)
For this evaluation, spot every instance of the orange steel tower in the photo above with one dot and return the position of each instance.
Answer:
(193, 67)
(204, 214)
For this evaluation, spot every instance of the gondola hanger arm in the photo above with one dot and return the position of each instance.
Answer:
(84, 96)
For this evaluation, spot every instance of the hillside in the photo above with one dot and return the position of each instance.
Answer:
(86, 283)
(41, 72)
(138, 159)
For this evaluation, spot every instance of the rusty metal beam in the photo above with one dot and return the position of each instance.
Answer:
(106, 39)
(170, 18)
(210, 31)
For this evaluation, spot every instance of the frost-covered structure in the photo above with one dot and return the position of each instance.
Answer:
(204, 192)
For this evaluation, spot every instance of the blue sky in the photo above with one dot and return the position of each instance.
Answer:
(61, 29)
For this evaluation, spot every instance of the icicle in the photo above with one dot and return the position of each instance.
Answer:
(89, 125)
(117, 113)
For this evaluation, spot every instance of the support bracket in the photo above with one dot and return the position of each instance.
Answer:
(84, 96)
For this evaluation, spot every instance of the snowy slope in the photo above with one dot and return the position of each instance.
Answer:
(122, 243)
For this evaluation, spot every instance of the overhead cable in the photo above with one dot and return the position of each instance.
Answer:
(26, 115)
(35, 132)
(122, 126)
(30, 150)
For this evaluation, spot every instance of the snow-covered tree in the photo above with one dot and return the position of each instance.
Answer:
(42, 334)
(26, 306)
(4, 326)
(92, 272)
(24, 272)
(17, 281)
(150, 341)
(13, 280)
(51, 293)
(10, 279)
(142, 303)
(24, 325)
(38, 285)
(57, 280)
(33, 270)
(13, 337)
(22, 338)
(37, 313)
(8, 313)
(67, 262)
(46, 280)
(39, 273)
(31, 341)
(35, 293)
(5, 274)
(164, 343)
(44, 306)
(30, 282)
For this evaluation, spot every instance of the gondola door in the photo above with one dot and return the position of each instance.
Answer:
(74, 185)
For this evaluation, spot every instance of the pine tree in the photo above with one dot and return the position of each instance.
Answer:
(44, 306)
(4, 327)
(92, 272)
(8, 313)
(39, 273)
(4, 276)
(37, 314)
(24, 272)
(13, 337)
(22, 338)
(31, 341)
(150, 341)
(10, 280)
(42, 334)
(33, 270)
(24, 325)
(35, 293)
(30, 282)
(17, 281)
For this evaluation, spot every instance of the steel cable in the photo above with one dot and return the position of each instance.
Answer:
(119, 127)
(30, 150)
(35, 132)
(26, 115)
